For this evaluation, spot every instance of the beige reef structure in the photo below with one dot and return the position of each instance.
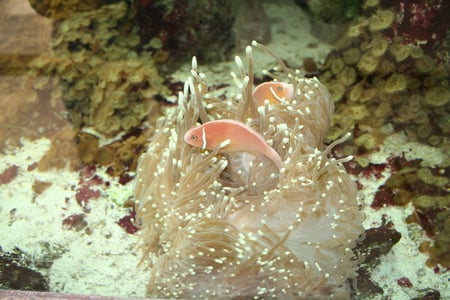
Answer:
(231, 225)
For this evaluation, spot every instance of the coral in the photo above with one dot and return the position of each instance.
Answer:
(330, 19)
(337, 66)
(385, 67)
(379, 46)
(399, 51)
(370, 3)
(97, 70)
(62, 9)
(382, 19)
(356, 92)
(337, 90)
(387, 71)
(348, 76)
(224, 225)
(367, 140)
(424, 130)
(107, 82)
(395, 83)
(437, 95)
(401, 85)
(185, 28)
(336, 12)
(368, 63)
(126, 153)
(424, 64)
(121, 99)
(416, 52)
(357, 112)
(351, 56)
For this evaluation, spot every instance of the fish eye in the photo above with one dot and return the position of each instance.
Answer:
(193, 137)
(279, 88)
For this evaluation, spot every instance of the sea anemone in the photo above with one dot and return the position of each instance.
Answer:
(221, 224)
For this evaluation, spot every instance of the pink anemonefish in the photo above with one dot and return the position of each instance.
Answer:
(231, 136)
(273, 91)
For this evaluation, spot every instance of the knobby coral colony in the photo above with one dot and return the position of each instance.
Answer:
(231, 224)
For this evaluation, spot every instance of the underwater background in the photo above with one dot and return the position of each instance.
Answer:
(83, 84)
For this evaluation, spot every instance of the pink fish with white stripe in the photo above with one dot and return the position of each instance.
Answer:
(273, 91)
(231, 136)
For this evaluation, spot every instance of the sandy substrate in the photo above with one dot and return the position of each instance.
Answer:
(101, 258)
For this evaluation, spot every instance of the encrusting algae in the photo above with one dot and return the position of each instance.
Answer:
(231, 224)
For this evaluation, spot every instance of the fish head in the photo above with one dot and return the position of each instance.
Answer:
(194, 136)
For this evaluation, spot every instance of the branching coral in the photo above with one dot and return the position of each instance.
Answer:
(231, 224)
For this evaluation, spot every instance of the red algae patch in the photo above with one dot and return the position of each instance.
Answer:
(9, 174)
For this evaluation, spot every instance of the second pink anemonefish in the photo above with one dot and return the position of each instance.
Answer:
(273, 91)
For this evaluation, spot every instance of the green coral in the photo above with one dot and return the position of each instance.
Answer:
(107, 80)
